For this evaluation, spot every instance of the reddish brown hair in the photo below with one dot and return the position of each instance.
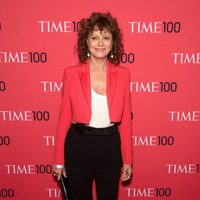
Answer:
(101, 21)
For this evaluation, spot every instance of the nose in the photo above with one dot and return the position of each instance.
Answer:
(100, 41)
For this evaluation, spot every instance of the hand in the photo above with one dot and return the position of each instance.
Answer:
(58, 172)
(126, 172)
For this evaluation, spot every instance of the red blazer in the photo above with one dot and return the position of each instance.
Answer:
(76, 105)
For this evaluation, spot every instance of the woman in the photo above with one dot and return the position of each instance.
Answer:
(93, 140)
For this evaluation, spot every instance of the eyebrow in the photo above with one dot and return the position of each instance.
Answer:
(106, 33)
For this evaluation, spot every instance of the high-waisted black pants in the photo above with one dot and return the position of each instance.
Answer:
(93, 157)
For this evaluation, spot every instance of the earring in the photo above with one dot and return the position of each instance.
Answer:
(88, 54)
(111, 54)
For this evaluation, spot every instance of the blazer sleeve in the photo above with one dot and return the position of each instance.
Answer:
(64, 121)
(125, 128)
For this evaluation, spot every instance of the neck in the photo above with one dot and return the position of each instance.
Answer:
(98, 64)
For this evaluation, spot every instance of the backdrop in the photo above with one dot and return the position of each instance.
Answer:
(161, 38)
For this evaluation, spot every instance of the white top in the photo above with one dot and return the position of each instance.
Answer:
(100, 114)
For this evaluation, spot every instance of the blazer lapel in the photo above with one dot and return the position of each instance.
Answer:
(84, 76)
(112, 76)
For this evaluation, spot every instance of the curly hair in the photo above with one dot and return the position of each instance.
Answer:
(101, 21)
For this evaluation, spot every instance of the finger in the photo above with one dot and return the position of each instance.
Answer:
(123, 177)
(64, 174)
(57, 175)
(126, 175)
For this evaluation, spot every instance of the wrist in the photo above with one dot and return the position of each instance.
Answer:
(59, 166)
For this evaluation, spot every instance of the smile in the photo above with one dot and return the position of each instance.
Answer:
(100, 49)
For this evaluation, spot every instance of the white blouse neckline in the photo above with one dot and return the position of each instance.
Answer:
(98, 93)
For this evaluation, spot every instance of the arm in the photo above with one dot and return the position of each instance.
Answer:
(125, 126)
(64, 121)
(126, 133)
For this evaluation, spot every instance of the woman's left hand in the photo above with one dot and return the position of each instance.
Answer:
(126, 172)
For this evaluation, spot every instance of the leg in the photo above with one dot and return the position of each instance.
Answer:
(80, 180)
(107, 180)
(108, 169)
(78, 166)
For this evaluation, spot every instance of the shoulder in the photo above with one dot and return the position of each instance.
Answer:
(72, 68)
(124, 71)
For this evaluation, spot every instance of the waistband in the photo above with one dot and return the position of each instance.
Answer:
(88, 130)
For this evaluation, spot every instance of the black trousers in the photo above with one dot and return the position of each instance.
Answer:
(93, 156)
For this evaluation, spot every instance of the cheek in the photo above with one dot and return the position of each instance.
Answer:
(91, 44)
(109, 44)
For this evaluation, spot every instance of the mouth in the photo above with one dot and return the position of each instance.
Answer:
(100, 49)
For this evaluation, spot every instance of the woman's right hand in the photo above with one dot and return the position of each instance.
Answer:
(58, 172)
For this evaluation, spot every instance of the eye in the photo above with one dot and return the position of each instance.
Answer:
(94, 38)
(107, 38)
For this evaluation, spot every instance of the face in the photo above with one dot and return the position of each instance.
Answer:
(100, 43)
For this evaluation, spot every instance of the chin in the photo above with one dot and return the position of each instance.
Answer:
(100, 56)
